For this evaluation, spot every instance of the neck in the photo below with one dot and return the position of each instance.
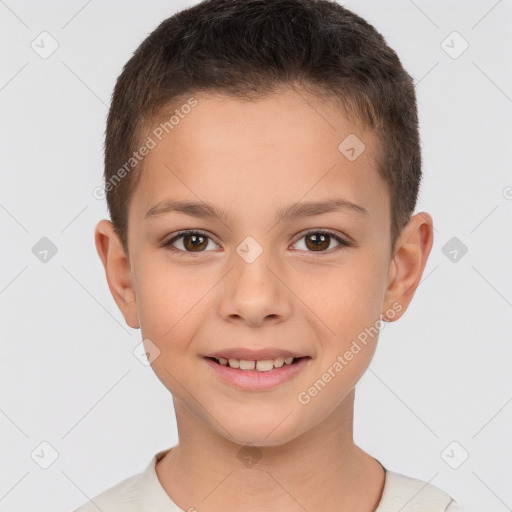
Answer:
(206, 471)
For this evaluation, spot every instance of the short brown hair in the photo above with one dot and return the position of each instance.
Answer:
(249, 48)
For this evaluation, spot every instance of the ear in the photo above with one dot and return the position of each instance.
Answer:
(117, 271)
(410, 256)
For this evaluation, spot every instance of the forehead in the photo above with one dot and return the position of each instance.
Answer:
(259, 154)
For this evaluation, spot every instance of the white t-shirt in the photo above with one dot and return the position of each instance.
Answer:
(144, 493)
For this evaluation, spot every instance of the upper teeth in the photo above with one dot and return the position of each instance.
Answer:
(262, 366)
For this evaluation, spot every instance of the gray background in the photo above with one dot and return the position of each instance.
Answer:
(441, 374)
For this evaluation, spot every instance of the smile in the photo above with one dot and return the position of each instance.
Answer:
(264, 365)
(257, 375)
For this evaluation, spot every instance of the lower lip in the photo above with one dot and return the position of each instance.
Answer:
(254, 380)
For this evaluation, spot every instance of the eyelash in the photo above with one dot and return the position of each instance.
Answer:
(343, 243)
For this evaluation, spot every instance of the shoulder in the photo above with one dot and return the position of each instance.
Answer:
(405, 493)
(142, 491)
(119, 498)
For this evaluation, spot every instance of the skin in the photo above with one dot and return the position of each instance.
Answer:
(252, 158)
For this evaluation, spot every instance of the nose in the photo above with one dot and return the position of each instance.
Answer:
(255, 293)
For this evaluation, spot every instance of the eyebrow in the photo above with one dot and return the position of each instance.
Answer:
(295, 210)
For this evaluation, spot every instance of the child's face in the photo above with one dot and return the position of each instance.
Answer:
(307, 295)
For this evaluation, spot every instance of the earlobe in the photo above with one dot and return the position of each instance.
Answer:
(406, 269)
(117, 271)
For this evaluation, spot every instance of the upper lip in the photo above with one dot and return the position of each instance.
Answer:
(254, 355)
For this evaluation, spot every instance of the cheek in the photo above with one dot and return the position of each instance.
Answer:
(369, 279)
(345, 300)
(166, 302)
(350, 307)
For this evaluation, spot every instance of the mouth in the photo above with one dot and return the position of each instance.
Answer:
(262, 365)
(257, 375)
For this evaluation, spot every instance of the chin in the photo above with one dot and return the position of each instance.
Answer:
(258, 430)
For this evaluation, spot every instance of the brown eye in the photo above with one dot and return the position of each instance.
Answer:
(320, 241)
(192, 242)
